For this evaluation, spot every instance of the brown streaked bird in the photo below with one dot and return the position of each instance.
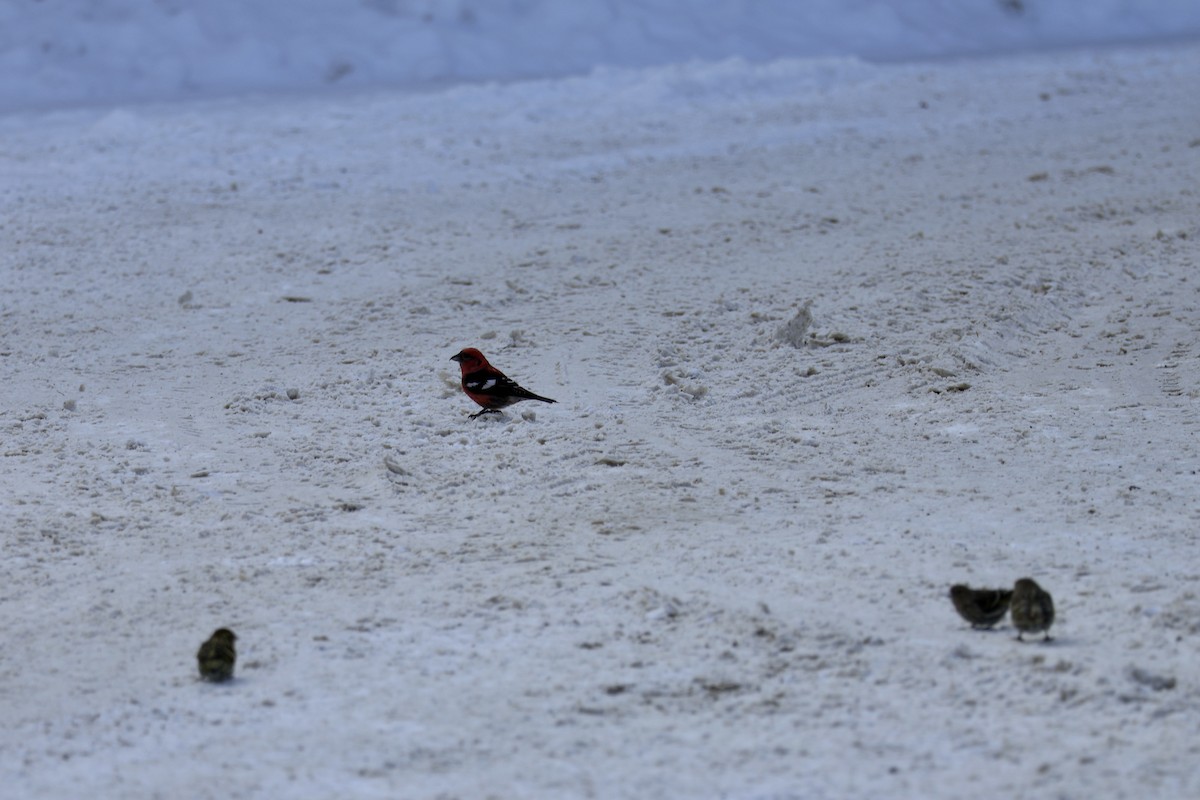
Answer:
(1032, 609)
(216, 656)
(488, 386)
(983, 608)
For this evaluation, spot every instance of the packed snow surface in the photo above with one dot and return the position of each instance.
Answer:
(826, 336)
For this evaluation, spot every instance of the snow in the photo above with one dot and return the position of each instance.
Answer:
(827, 335)
(116, 51)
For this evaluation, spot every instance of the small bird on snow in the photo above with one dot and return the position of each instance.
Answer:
(1032, 608)
(983, 608)
(216, 656)
(488, 386)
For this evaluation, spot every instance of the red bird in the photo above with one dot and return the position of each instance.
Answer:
(488, 386)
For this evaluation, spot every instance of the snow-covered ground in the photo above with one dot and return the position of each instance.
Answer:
(718, 566)
(110, 51)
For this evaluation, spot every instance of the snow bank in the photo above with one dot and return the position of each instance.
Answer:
(116, 51)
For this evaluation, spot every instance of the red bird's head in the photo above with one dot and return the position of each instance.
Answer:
(470, 360)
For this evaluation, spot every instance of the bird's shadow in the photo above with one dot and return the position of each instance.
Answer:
(219, 684)
(1038, 639)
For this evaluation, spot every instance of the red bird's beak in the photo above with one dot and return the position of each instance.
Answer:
(456, 357)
